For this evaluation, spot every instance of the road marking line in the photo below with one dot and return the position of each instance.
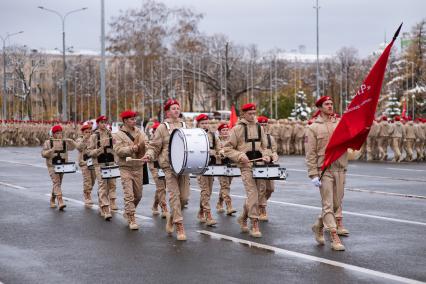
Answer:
(12, 185)
(95, 207)
(310, 257)
(360, 175)
(319, 208)
(386, 193)
(411, 170)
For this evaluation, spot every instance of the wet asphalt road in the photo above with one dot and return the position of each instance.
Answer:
(384, 204)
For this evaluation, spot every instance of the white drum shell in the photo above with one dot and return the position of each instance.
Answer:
(89, 162)
(66, 168)
(233, 172)
(109, 172)
(161, 174)
(189, 151)
(216, 170)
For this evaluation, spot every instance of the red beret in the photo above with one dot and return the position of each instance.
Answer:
(397, 118)
(127, 114)
(56, 128)
(384, 118)
(86, 126)
(155, 125)
(201, 117)
(222, 126)
(321, 100)
(249, 106)
(262, 119)
(101, 118)
(169, 103)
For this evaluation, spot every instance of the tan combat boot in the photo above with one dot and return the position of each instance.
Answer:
(341, 230)
(164, 210)
(112, 204)
(336, 244)
(219, 207)
(169, 224)
(125, 216)
(243, 224)
(209, 219)
(229, 209)
(154, 208)
(180, 232)
(201, 216)
(255, 231)
(52, 201)
(263, 216)
(107, 213)
(132, 222)
(87, 199)
(318, 230)
(61, 202)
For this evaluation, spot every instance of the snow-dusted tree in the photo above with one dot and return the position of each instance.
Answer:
(392, 106)
(301, 111)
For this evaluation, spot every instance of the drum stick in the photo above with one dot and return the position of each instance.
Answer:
(254, 160)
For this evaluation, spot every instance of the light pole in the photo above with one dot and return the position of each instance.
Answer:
(317, 14)
(414, 103)
(4, 71)
(64, 80)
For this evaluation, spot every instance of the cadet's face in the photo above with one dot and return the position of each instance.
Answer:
(250, 115)
(224, 132)
(102, 124)
(131, 122)
(174, 111)
(58, 135)
(327, 107)
(204, 124)
(87, 132)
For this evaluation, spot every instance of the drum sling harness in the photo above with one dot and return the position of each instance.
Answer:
(268, 136)
(212, 146)
(105, 157)
(57, 160)
(168, 126)
(253, 154)
(145, 178)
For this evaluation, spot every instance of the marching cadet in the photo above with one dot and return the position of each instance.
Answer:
(160, 183)
(129, 146)
(331, 186)
(397, 136)
(420, 140)
(286, 133)
(383, 138)
(89, 176)
(275, 130)
(247, 142)
(101, 150)
(55, 151)
(410, 138)
(225, 182)
(372, 141)
(177, 185)
(299, 135)
(268, 186)
(206, 182)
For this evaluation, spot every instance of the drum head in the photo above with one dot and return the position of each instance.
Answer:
(177, 154)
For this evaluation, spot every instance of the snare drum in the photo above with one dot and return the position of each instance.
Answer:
(89, 163)
(270, 172)
(233, 171)
(109, 172)
(189, 151)
(65, 168)
(216, 170)
(161, 174)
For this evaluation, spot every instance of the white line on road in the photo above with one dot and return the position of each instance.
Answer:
(12, 185)
(311, 258)
(410, 170)
(386, 193)
(344, 212)
(95, 207)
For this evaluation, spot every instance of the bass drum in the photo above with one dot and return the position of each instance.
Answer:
(189, 151)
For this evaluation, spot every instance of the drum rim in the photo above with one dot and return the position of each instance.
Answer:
(185, 151)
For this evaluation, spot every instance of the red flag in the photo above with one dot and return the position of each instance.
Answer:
(233, 119)
(353, 128)
(404, 109)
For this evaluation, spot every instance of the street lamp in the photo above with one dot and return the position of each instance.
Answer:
(414, 103)
(64, 81)
(4, 71)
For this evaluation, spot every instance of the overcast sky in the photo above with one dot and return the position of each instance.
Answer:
(284, 24)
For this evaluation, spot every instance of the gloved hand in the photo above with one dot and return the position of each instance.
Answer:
(316, 182)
